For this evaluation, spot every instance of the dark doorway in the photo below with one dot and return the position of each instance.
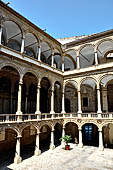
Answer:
(67, 105)
(90, 135)
(57, 134)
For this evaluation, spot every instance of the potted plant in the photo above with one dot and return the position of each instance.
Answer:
(66, 139)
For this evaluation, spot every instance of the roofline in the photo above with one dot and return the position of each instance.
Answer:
(28, 22)
(90, 37)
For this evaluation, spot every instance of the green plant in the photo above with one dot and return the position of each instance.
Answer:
(66, 139)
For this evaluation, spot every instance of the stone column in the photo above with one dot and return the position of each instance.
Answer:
(17, 158)
(96, 58)
(78, 62)
(80, 138)
(22, 45)
(37, 148)
(104, 99)
(99, 100)
(63, 134)
(63, 101)
(19, 98)
(52, 100)
(1, 27)
(101, 147)
(79, 102)
(38, 101)
(52, 146)
(39, 53)
(52, 60)
(63, 63)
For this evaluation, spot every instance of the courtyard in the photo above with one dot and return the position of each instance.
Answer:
(86, 158)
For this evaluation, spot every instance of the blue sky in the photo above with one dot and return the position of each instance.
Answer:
(66, 18)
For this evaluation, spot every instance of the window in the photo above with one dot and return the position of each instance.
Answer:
(85, 101)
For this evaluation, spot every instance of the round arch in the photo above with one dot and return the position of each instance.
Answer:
(73, 82)
(101, 41)
(84, 46)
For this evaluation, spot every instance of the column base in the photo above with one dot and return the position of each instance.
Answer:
(101, 148)
(37, 152)
(17, 160)
(79, 112)
(52, 147)
(80, 145)
(19, 113)
(63, 112)
(52, 112)
(38, 113)
(99, 112)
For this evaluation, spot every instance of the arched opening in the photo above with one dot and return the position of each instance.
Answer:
(29, 93)
(87, 57)
(68, 64)
(8, 99)
(70, 60)
(88, 96)
(107, 93)
(45, 136)
(45, 52)
(57, 134)
(90, 134)
(28, 141)
(71, 97)
(72, 130)
(11, 35)
(31, 45)
(7, 146)
(108, 135)
(104, 47)
(57, 59)
(45, 95)
(57, 97)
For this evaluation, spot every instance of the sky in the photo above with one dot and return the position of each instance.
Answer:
(67, 18)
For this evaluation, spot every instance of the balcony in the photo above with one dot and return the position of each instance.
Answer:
(11, 118)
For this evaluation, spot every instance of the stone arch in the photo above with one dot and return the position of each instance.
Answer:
(104, 76)
(16, 22)
(50, 125)
(49, 44)
(17, 68)
(106, 123)
(101, 41)
(59, 122)
(47, 77)
(32, 72)
(80, 48)
(71, 121)
(73, 82)
(72, 59)
(30, 124)
(34, 34)
(93, 78)
(90, 122)
(18, 131)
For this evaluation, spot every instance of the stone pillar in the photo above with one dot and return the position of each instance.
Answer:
(22, 45)
(63, 134)
(52, 60)
(39, 53)
(99, 100)
(17, 158)
(104, 99)
(52, 100)
(96, 58)
(52, 146)
(79, 102)
(78, 62)
(101, 147)
(63, 63)
(1, 27)
(37, 148)
(38, 101)
(80, 138)
(19, 98)
(63, 101)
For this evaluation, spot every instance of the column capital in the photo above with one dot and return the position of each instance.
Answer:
(20, 82)
(80, 129)
(39, 46)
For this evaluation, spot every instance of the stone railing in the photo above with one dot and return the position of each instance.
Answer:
(10, 118)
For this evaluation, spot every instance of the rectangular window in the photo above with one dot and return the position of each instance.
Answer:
(85, 101)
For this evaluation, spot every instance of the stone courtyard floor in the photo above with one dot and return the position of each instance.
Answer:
(86, 158)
